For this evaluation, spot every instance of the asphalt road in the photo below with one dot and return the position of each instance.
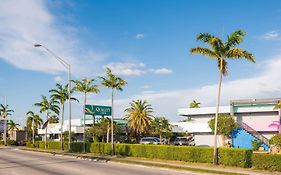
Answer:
(19, 162)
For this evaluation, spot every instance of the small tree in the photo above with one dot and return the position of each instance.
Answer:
(226, 124)
(276, 140)
(194, 104)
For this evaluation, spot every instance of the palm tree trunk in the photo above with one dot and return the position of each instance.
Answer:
(107, 133)
(61, 127)
(84, 134)
(112, 117)
(33, 135)
(46, 130)
(215, 158)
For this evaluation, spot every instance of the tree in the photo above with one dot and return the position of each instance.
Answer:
(194, 104)
(48, 106)
(85, 86)
(12, 125)
(226, 124)
(114, 83)
(221, 51)
(139, 116)
(159, 125)
(33, 122)
(5, 112)
(61, 94)
(53, 119)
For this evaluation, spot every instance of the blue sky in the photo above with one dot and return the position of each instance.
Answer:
(146, 42)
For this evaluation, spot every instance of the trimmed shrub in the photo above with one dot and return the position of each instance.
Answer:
(276, 140)
(11, 143)
(41, 144)
(235, 157)
(266, 162)
(184, 153)
(78, 147)
(54, 145)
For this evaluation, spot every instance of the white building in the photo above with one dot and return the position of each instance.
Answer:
(256, 116)
(54, 129)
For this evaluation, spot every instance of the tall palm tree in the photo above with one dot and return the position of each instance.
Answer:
(34, 121)
(222, 51)
(48, 106)
(5, 112)
(12, 125)
(139, 116)
(61, 94)
(159, 125)
(85, 86)
(194, 104)
(114, 83)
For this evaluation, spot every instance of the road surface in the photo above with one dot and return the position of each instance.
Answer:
(19, 162)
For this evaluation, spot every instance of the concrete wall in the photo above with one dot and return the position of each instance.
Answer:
(206, 139)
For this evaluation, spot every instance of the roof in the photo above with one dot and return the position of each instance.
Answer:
(202, 111)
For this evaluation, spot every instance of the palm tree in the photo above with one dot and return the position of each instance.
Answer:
(159, 125)
(53, 119)
(221, 51)
(85, 86)
(194, 104)
(12, 125)
(5, 112)
(278, 106)
(48, 106)
(61, 94)
(34, 121)
(113, 82)
(139, 116)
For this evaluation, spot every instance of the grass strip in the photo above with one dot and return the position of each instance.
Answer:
(174, 167)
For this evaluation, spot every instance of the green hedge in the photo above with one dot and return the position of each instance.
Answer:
(266, 162)
(235, 157)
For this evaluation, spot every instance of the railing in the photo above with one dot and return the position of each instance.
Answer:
(254, 133)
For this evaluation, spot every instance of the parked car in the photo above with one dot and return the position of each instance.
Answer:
(188, 141)
(150, 140)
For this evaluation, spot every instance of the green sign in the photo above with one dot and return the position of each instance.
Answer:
(98, 110)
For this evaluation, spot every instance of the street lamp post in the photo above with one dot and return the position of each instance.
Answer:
(68, 67)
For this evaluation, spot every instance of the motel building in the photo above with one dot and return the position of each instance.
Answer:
(54, 129)
(257, 120)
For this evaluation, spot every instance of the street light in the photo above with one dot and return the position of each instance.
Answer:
(68, 67)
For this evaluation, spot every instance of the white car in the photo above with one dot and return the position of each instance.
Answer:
(150, 140)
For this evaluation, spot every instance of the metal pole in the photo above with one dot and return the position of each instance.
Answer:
(112, 117)
(5, 120)
(69, 107)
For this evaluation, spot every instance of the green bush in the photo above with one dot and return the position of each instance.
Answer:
(184, 153)
(256, 144)
(11, 143)
(276, 140)
(235, 157)
(2, 143)
(78, 147)
(29, 145)
(54, 145)
(266, 162)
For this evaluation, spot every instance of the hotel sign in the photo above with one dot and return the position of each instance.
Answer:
(98, 110)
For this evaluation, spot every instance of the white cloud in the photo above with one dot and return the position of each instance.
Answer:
(140, 36)
(161, 71)
(146, 87)
(58, 79)
(165, 103)
(26, 22)
(273, 35)
(127, 68)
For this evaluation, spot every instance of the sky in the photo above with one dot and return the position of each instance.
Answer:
(146, 42)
